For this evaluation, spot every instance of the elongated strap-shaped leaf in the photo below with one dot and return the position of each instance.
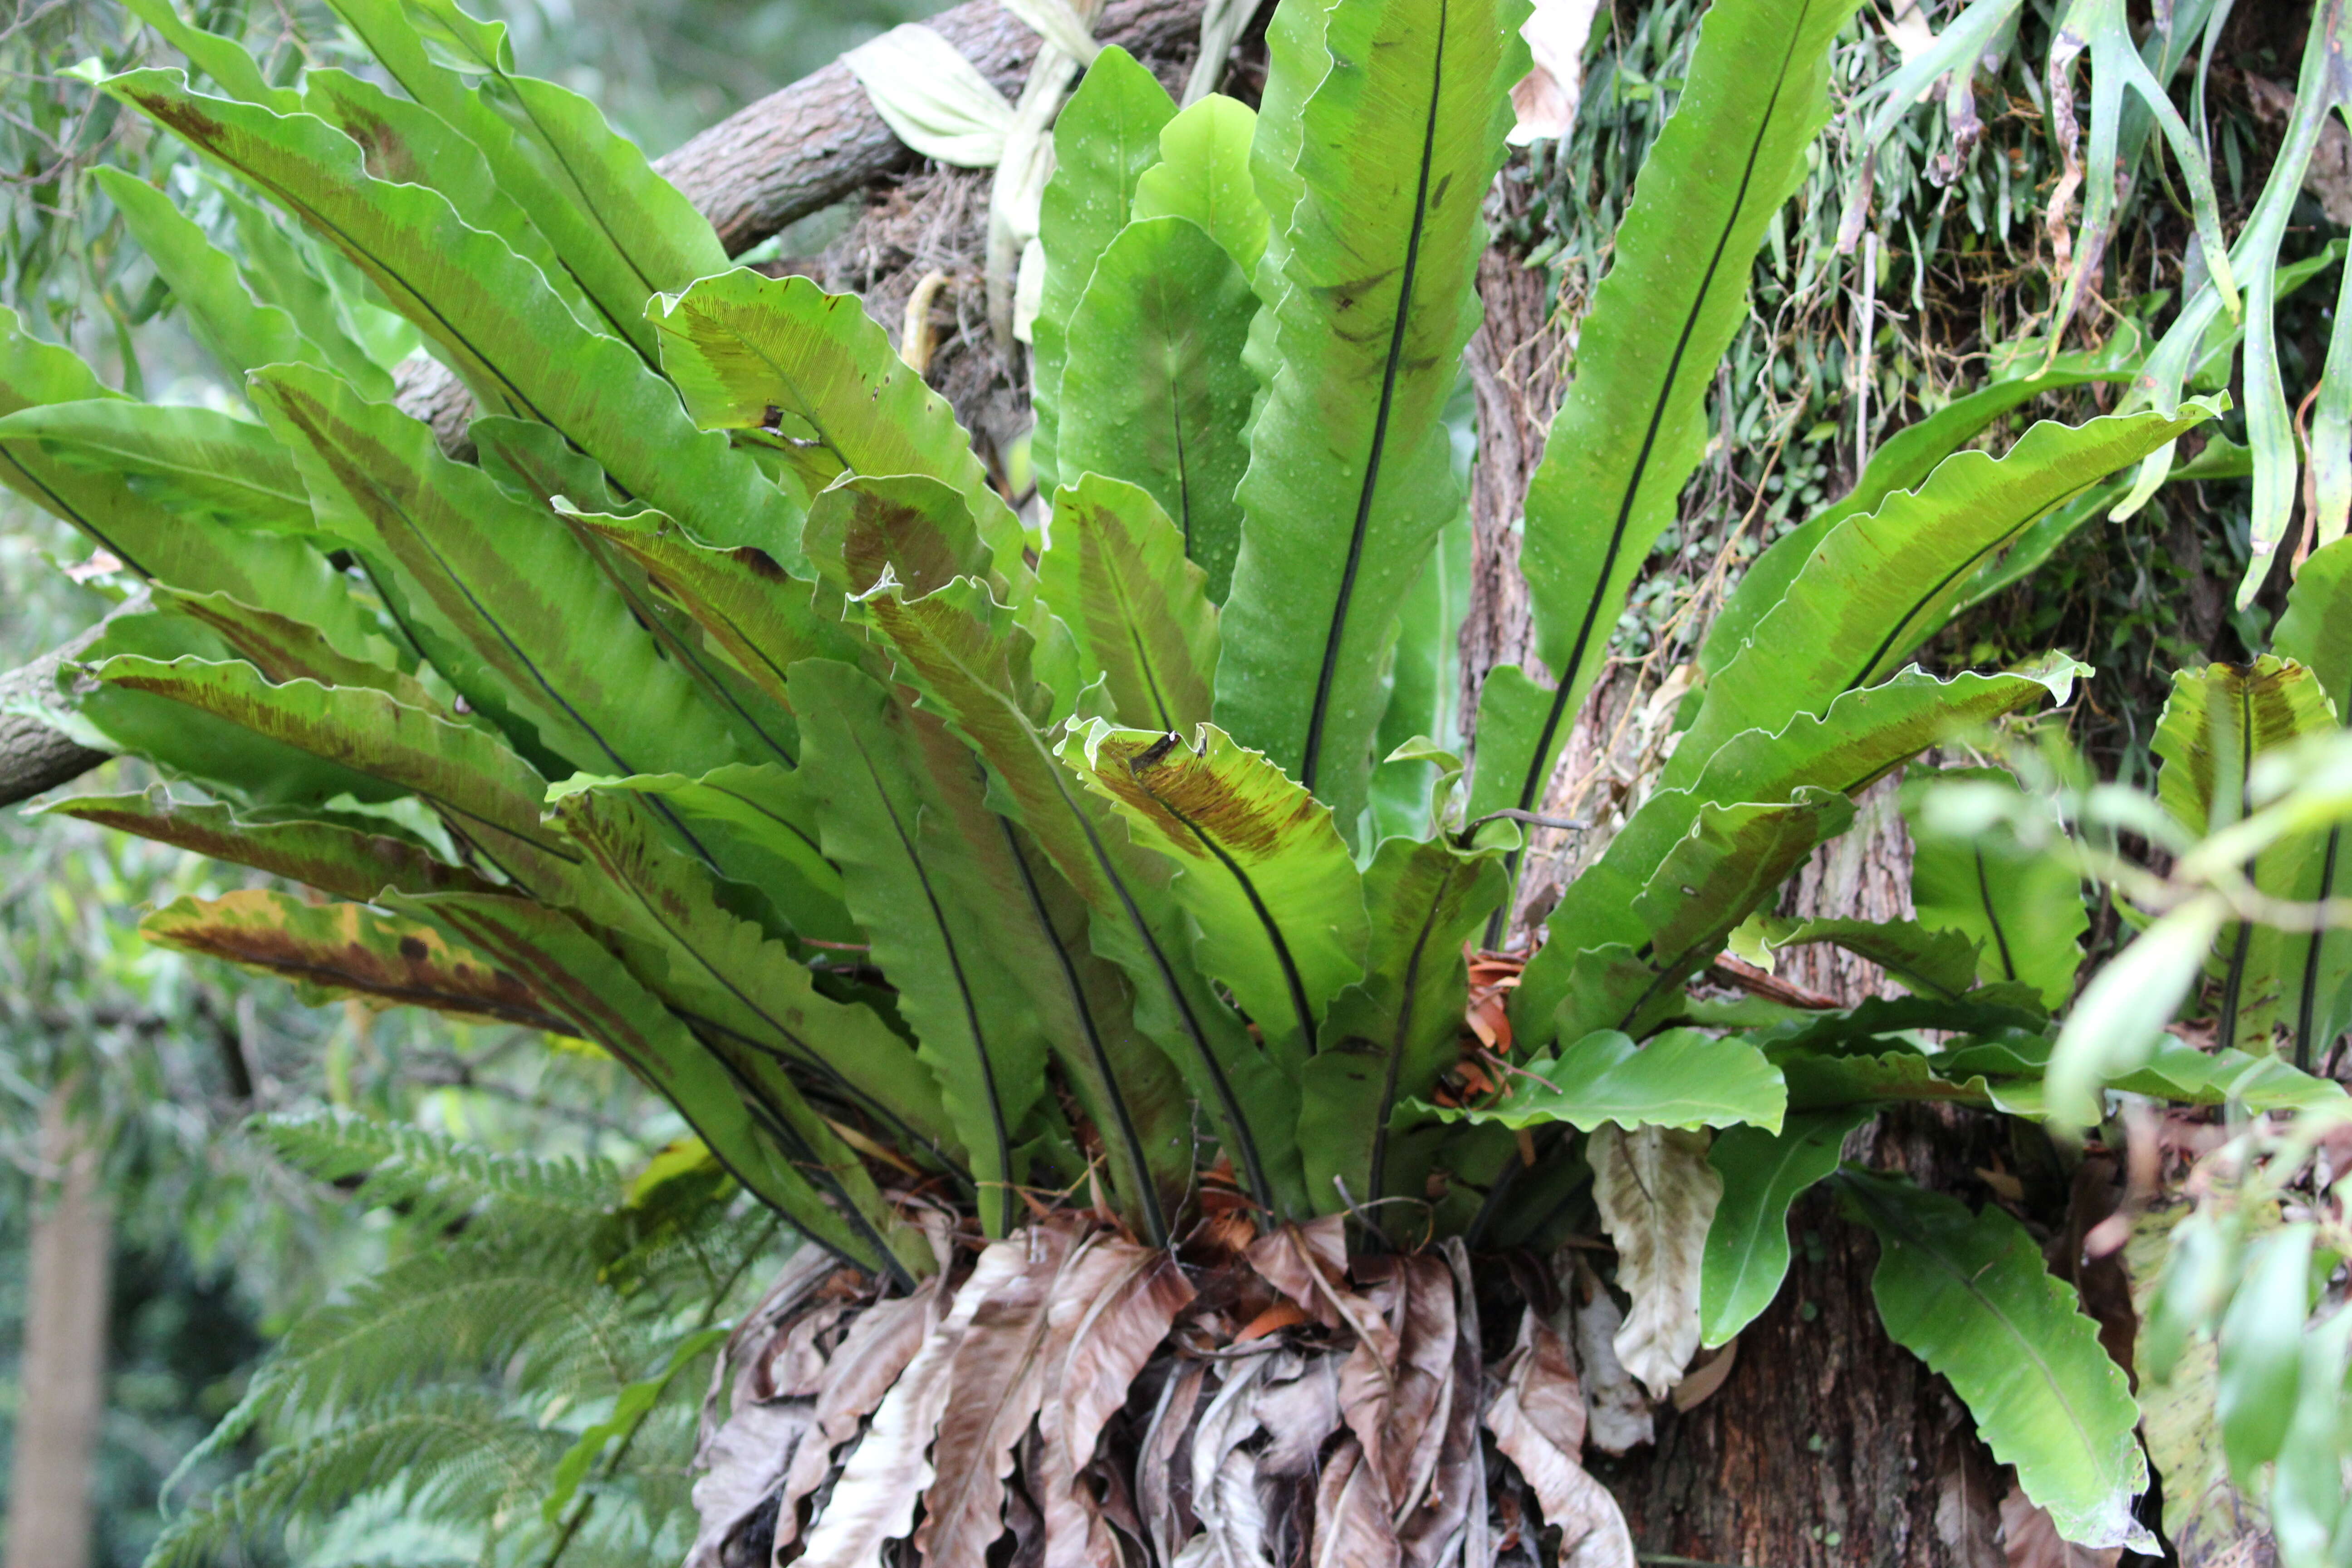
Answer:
(1425, 692)
(1969, 1294)
(2025, 911)
(286, 649)
(1764, 1172)
(765, 1135)
(1117, 574)
(1104, 139)
(1632, 425)
(1915, 954)
(1351, 473)
(192, 462)
(228, 759)
(534, 463)
(283, 268)
(741, 989)
(1902, 462)
(972, 661)
(900, 803)
(333, 857)
(220, 57)
(1204, 173)
(1732, 859)
(241, 333)
(917, 529)
(407, 143)
(199, 556)
(2217, 722)
(487, 794)
(490, 313)
(2317, 632)
(753, 612)
(959, 911)
(1386, 1039)
(780, 354)
(1279, 902)
(763, 807)
(1679, 1079)
(1154, 389)
(624, 232)
(545, 626)
(1862, 735)
(1877, 584)
(349, 949)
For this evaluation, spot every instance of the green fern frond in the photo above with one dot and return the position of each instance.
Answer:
(410, 1167)
(449, 1454)
(532, 1313)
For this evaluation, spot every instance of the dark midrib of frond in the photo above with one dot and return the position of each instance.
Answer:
(802, 1050)
(1146, 1198)
(1299, 1005)
(1312, 757)
(816, 1171)
(1992, 918)
(65, 508)
(1003, 1134)
(1229, 1104)
(805, 1056)
(1377, 1176)
(1538, 767)
(2307, 1009)
(539, 677)
(1919, 605)
(2234, 980)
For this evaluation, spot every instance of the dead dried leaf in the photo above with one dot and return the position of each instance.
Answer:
(1657, 1195)
(1307, 1263)
(2030, 1541)
(743, 1464)
(997, 1382)
(1224, 1475)
(1617, 1412)
(1700, 1384)
(1351, 1514)
(874, 1501)
(1164, 1480)
(1112, 1310)
(1539, 1425)
(1431, 1532)
(863, 1367)
(1401, 1424)
(1298, 1411)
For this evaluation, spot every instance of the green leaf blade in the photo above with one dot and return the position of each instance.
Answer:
(1350, 476)
(1969, 1296)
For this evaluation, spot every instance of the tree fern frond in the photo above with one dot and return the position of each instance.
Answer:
(526, 1314)
(409, 1166)
(449, 1454)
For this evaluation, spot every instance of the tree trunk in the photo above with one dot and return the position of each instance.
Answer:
(1827, 1443)
(63, 1374)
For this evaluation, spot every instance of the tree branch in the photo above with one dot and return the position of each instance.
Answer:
(34, 755)
(795, 151)
(802, 148)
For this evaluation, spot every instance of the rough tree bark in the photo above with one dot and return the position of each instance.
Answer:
(34, 755)
(63, 1375)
